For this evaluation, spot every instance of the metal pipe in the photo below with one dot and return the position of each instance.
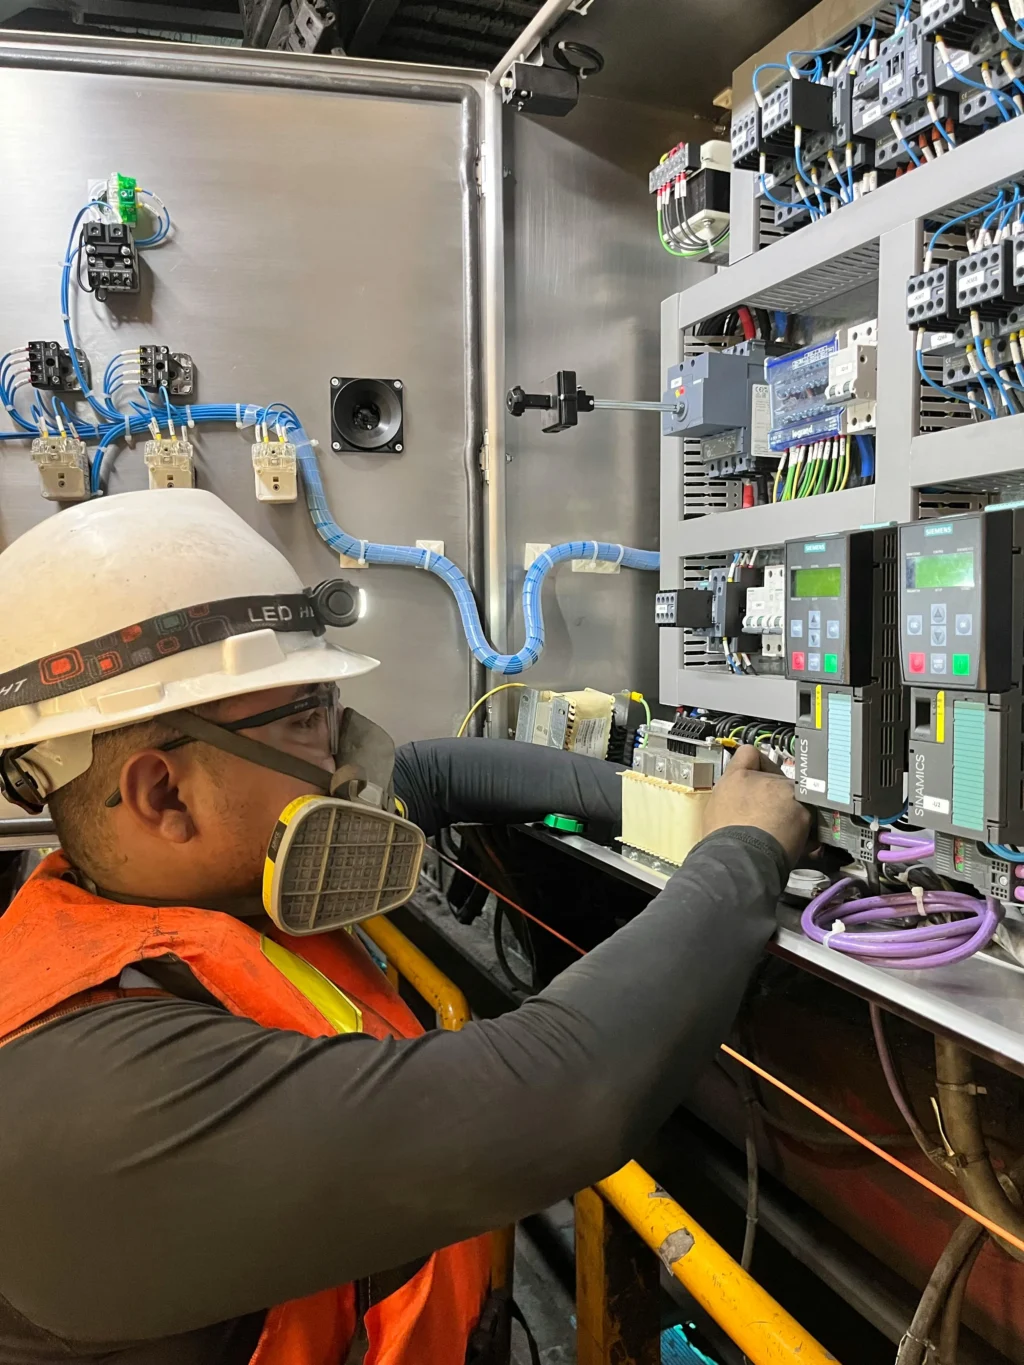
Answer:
(492, 452)
(759, 1326)
(958, 1105)
(539, 27)
(636, 405)
(450, 1005)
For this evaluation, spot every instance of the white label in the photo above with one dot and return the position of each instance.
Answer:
(592, 736)
(892, 83)
(928, 5)
(935, 804)
(872, 114)
(971, 281)
(814, 784)
(922, 295)
(847, 367)
(960, 61)
(760, 420)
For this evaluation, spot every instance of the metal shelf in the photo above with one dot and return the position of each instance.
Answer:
(825, 259)
(980, 452)
(749, 528)
(769, 696)
(979, 1002)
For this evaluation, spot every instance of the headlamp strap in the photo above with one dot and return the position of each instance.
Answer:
(159, 637)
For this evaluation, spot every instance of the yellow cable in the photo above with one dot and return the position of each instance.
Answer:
(477, 704)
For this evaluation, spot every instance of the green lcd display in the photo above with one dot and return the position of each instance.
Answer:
(953, 570)
(817, 582)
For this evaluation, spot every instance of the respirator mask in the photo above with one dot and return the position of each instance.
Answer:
(336, 858)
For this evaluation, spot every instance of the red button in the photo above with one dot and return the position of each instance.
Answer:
(917, 663)
(799, 661)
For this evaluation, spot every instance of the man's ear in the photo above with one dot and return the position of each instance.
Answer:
(150, 796)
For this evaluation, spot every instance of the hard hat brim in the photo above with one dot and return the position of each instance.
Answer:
(231, 668)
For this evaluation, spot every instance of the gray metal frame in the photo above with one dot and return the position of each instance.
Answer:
(876, 242)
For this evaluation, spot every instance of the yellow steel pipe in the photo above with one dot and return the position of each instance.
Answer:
(761, 1328)
(450, 1005)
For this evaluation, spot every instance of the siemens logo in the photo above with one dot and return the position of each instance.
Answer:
(938, 530)
(816, 547)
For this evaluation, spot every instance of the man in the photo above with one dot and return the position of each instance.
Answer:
(211, 1152)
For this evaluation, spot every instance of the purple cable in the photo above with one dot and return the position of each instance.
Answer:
(905, 847)
(971, 926)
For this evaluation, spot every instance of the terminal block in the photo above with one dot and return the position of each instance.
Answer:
(276, 470)
(959, 373)
(986, 283)
(796, 103)
(931, 298)
(121, 196)
(111, 259)
(159, 368)
(959, 21)
(63, 467)
(170, 462)
(50, 367)
(978, 108)
(745, 139)
(915, 118)
(852, 374)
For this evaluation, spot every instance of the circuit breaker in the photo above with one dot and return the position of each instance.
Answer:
(722, 398)
(842, 648)
(961, 586)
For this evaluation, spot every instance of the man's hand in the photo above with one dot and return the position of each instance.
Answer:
(752, 793)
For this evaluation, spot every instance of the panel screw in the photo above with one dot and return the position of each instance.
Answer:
(398, 445)
(335, 382)
(397, 383)
(335, 445)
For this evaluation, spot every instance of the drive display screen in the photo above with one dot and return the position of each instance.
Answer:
(823, 582)
(953, 570)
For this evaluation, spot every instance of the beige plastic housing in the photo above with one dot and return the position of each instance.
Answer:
(659, 817)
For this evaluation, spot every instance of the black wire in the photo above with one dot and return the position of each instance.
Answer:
(764, 323)
(501, 911)
(79, 253)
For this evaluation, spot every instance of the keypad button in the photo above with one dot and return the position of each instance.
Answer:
(916, 662)
(832, 629)
(814, 663)
(938, 662)
(814, 620)
(831, 663)
(799, 661)
(814, 639)
(938, 613)
(915, 625)
(938, 635)
(796, 627)
(964, 625)
(962, 665)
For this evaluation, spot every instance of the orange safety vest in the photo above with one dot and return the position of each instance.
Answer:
(58, 940)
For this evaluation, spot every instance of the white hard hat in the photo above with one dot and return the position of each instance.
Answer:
(124, 608)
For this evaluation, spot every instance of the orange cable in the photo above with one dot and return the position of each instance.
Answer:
(950, 1199)
(823, 1114)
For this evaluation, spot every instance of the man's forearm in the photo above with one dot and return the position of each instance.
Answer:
(495, 781)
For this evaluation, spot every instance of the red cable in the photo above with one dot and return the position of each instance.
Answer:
(747, 322)
(459, 868)
(823, 1114)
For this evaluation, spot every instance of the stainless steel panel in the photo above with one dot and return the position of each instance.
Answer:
(587, 277)
(317, 232)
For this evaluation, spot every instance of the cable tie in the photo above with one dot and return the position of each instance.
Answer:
(188, 415)
(127, 429)
(362, 551)
(918, 894)
(593, 557)
(838, 927)
(238, 416)
(426, 558)
(621, 556)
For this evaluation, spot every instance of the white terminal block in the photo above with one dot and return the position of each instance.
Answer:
(276, 470)
(765, 611)
(853, 374)
(170, 463)
(716, 156)
(63, 467)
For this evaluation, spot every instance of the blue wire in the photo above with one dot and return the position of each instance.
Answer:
(1007, 854)
(951, 393)
(1011, 39)
(961, 218)
(167, 404)
(979, 351)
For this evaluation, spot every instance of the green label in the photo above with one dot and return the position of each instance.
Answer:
(815, 547)
(938, 530)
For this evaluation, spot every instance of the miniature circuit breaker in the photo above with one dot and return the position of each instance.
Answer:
(170, 462)
(843, 651)
(961, 594)
(63, 467)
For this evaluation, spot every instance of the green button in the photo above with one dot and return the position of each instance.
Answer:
(566, 824)
(962, 665)
(831, 663)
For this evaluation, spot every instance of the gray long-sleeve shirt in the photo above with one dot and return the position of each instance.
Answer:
(168, 1171)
